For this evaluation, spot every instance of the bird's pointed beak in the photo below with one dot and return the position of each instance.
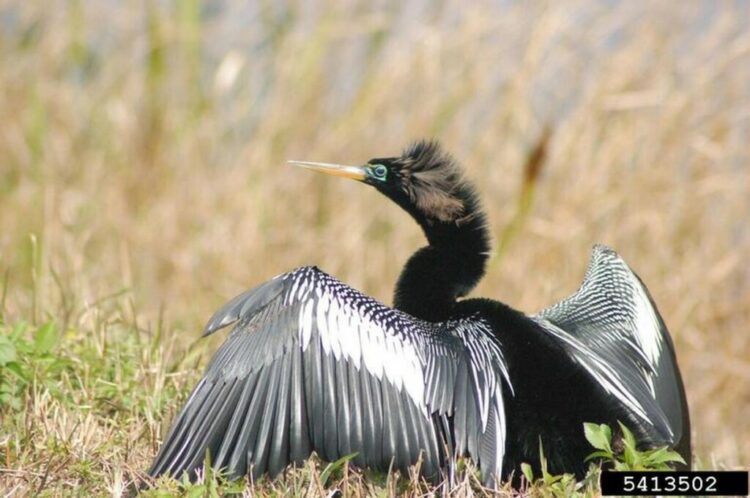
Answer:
(353, 172)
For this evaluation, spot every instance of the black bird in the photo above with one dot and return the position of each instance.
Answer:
(314, 365)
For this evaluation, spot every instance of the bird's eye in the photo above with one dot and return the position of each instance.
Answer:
(379, 171)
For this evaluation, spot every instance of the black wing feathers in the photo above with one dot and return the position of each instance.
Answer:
(313, 365)
(243, 305)
(613, 319)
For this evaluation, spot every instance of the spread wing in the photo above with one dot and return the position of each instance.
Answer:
(314, 365)
(612, 327)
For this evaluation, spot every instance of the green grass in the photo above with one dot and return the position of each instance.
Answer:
(80, 407)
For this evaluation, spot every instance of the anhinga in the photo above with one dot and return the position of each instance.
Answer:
(314, 365)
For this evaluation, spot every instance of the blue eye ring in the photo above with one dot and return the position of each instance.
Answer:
(379, 171)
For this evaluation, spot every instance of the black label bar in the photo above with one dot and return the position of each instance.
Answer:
(692, 483)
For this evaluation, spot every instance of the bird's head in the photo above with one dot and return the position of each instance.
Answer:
(424, 180)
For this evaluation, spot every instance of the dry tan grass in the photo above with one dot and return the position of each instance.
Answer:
(144, 149)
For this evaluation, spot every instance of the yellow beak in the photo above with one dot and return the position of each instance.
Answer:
(353, 172)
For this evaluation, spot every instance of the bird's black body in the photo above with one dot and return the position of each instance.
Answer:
(552, 397)
(313, 365)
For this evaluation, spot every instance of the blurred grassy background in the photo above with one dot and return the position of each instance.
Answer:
(143, 149)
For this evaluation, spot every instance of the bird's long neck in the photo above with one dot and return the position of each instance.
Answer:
(448, 268)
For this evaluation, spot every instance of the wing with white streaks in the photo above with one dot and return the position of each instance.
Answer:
(612, 327)
(314, 365)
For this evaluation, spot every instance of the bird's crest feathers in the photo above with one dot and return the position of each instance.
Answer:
(433, 179)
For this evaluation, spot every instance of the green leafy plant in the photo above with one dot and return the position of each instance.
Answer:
(24, 361)
(209, 484)
(556, 485)
(336, 468)
(630, 457)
